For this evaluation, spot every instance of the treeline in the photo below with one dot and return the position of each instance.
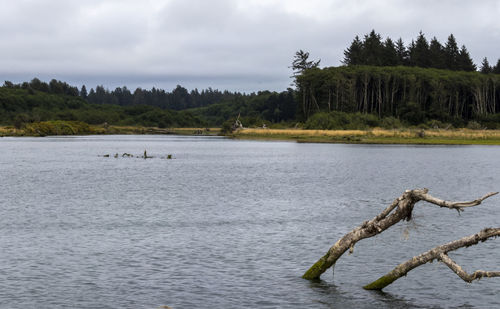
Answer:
(22, 106)
(179, 99)
(264, 107)
(410, 94)
(212, 107)
(372, 50)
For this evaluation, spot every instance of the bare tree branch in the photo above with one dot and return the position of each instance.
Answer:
(452, 205)
(400, 209)
(438, 253)
(478, 274)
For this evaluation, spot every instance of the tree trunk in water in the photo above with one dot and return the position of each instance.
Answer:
(439, 253)
(400, 209)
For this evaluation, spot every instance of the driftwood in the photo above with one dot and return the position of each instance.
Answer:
(400, 209)
(440, 253)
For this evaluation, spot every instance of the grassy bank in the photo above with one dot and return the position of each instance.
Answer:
(49, 128)
(376, 136)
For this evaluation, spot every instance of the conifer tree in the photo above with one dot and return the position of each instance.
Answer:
(83, 92)
(353, 55)
(373, 49)
(419, 54)
(390, 56)
(436, 54)
(451, 53)
(485, 66)
(401, 52)
(464, 60)
(496, 68)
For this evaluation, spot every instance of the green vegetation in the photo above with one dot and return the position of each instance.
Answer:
(264, 107)
(411, 95)
(20, 107)
(373, 51)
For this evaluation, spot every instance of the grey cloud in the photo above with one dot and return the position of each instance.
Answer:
(232, 44)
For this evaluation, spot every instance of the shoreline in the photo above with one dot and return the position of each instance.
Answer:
(62, 128)
(369, 136)
(375, 136)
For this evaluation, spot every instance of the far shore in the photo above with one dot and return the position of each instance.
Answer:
(369, 136)
(72, 128)
(376, 136)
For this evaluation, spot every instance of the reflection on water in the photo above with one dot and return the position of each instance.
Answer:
(233, 224)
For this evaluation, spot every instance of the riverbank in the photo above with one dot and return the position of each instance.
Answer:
(376, 136)
(50, 128)
(371, 136)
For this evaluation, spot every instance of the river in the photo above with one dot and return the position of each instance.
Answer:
(234, 224)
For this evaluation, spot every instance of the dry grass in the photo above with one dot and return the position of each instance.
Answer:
(10, 131)
(377, 135)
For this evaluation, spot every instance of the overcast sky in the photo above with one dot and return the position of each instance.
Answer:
(243, 45)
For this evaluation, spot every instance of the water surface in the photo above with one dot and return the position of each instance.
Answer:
(233, 224)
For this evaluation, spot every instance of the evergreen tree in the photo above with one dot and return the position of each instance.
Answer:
(401, 52)
(390, 56)
(411, 49)
(373, 49)
(353, 55)
(464, 60)
(301, 63)
(451, 53)
(496, 68)
(436, 54)
(419, 53)
(485, 66)
(83, 92)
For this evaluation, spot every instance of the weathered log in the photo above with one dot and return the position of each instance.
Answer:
(400, 209)
(439, 253)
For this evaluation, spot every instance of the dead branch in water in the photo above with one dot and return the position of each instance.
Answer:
(400, 209)
(440, 253)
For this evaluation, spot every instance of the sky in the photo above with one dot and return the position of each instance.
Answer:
(239, 45)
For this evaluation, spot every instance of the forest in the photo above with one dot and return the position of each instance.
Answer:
(381, 83)
(21, 106)
(389, 84)
(39, 101)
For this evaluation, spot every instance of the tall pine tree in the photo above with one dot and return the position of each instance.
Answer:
(373, 49)
(353, 55)
(436, 54)
(401, 52)
(485, 66)
(496, 68)
(389, 56)
(464, 60)
(419, 54)
(451, 53)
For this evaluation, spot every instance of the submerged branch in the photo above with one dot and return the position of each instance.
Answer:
(400, 209)
(439, 253)
(478, 274)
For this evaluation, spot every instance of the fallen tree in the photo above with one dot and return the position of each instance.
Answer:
(440, 253)
(400, 209)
